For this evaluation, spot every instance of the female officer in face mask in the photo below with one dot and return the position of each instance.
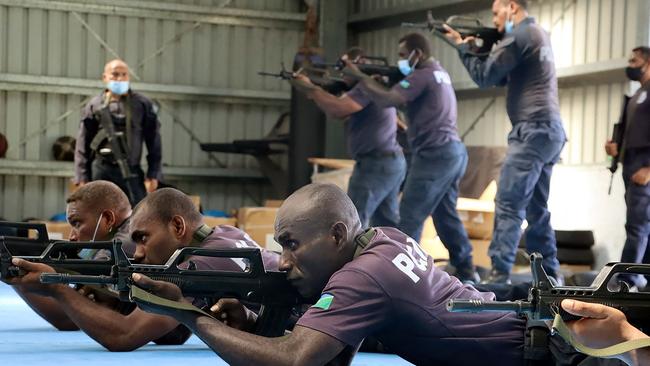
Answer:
(635, 156)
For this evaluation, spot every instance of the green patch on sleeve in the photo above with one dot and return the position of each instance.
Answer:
(404, 84)
(324, 302)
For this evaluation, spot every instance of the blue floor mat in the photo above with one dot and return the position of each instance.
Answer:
(28, 339)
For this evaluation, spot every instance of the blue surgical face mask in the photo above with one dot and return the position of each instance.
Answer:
(509, 26)
(118, 87)
(405, 65)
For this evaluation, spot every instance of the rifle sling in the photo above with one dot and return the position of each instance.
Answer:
(363, 240)
(200, 235)
(143, 297)
(561, 328)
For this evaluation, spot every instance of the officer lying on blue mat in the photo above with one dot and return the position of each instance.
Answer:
(164, 221)
(375, 282)
(97, 211)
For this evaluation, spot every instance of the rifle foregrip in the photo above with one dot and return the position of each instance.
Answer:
(64, 278)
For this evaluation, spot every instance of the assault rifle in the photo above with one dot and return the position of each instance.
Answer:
(484, 37)
(60, 255)
(618, 133)
(332, 85)
(544, 298)
(118, 148)
(390, 75)
(272, 290)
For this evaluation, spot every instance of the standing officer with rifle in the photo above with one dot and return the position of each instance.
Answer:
(113, 127)
(438, 158)
(371, 138)
(524, 62)
(632, 148)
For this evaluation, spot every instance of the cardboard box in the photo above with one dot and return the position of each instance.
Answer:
(477, 215)
(273, 203)
(480, 255)
(215, 221)
(58, 230)
(196, 200)
(258, 223)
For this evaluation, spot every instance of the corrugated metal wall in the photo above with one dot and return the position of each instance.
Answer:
(583, 32)
(200, 62)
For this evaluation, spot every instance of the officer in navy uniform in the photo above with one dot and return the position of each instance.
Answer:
(371, 131)
(134, 115)
(522, 60)
(635, 156)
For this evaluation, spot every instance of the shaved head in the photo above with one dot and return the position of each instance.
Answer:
(316, 227)
(101, 195)
(162, 205)
(115, 70)
(321, 205)
(115, 63)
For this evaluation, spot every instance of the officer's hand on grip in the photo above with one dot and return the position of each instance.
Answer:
(642, 176)
(611, 148)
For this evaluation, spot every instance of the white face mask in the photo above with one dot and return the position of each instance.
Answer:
(405, 65)
(99, 219)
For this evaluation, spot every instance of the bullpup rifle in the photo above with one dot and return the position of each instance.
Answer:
(544, 297)
(271, 290)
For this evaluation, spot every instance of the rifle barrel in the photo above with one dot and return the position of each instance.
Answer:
(65, 278)
(475, 306)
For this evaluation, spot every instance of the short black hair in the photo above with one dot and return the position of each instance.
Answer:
(355, 52)
(101, 195)
(416, 41)
(644, 51)
(522, 3)
(165, 203)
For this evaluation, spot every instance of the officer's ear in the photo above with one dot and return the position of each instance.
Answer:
(178, 226)
(339, 232)
(111, 220)
(419, 55)
(513, 7)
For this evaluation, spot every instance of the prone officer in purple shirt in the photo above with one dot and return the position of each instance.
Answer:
(164, 221)
(371, 282)
(97, 211)
(371, 139)
(438, 157)
(524, 62)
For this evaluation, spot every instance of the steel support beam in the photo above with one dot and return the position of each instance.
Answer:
(334, 37)
(66, 170)
(413, 13)
(65, 85)
(167, 11)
